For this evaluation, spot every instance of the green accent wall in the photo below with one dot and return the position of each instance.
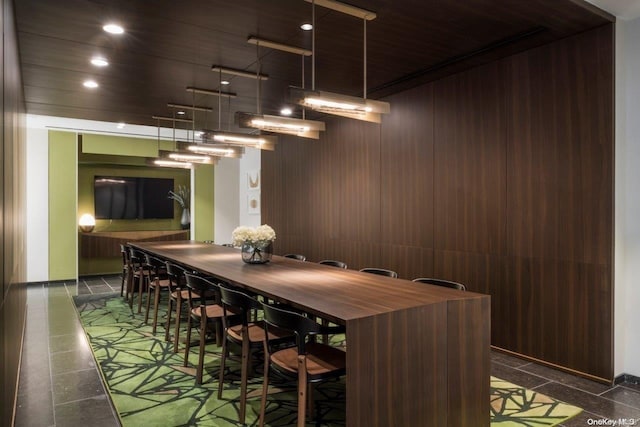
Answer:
(123, 146)
(86, 174)
(203, 212)
(63, 231)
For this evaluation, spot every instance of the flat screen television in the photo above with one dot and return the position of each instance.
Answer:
(118, 197)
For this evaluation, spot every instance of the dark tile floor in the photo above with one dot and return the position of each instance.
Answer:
(60, 384)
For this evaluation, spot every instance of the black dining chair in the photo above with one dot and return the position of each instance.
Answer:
(380, 272)
(298, 257)
(307, 362)
(249, 336)
(158, 281)
(441, 282)
(333, 263)
(140, 274)
(205, 313)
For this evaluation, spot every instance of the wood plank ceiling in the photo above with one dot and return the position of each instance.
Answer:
(169, 45)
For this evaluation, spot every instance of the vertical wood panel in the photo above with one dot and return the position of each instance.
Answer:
(12, 178)
(469, 162)
(512, 195)
(560, 202)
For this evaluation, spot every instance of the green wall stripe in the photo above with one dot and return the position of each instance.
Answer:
(123, 145)
(62, 205)
(203, 212)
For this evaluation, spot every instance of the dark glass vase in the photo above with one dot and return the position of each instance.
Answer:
(259, 253)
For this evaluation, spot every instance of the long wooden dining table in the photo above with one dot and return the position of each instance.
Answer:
(417, 355)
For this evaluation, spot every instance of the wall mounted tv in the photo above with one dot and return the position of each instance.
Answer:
(118, 197)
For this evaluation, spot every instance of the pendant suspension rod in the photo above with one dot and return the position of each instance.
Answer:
(302, 81)
(313, 45)
(193, 123)
(219, 100)
(258, 79)
(364, 67)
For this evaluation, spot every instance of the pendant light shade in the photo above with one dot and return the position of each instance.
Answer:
(217, 150)
(340, 105)
(263, 142)
(278, 124)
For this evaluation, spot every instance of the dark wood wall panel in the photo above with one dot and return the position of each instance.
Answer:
(12, 265)
(470, 162)
(499, 177)
(560, 200)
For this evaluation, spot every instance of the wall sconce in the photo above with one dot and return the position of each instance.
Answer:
(87, 223)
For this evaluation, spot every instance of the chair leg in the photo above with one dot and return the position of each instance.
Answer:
(302, 390)
(132, 287)
(168, 327)
(187, 346)
(156, 304)
(244, 373)
(141, 288)
(176, 335)
(325, 337)
(146, 315)
(265, 384)
(124, 272)
(223, 362)
(310, 403)
(203, 341)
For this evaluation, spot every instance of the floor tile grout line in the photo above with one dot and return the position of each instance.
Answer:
(53, 402)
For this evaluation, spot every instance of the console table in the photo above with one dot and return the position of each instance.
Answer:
(106, 244)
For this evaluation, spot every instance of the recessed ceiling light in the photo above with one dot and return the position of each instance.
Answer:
(91, 84)
(99, 61)
(224, 82)
(180, 113)
(306, 26)
(286, 111)
(120, 125)
(113, 29)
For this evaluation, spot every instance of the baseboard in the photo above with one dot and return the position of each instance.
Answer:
(626, 378)
(554, 366)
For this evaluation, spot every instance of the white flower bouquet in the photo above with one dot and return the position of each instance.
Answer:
(255, 243)
(260, 236)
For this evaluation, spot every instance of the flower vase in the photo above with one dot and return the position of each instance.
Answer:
(260, 253)
(185, 219)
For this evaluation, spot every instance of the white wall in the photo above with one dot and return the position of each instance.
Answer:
(37, 202)
(232, 192)
(226, 199)
(627, 199)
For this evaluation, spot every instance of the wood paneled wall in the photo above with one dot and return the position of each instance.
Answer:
(500, 177)
(12, 190)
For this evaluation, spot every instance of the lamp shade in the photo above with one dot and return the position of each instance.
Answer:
(87, 223)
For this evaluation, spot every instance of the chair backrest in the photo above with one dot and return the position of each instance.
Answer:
(137, 258)
(441, 282)
(380, 272)
(154, 263)
(333, 263)
(300, 325)
(296, 256)
(176, 274)
(205, 290)
(239, 302)
(124, 250)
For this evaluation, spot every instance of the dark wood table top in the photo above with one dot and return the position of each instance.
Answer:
(337, 294)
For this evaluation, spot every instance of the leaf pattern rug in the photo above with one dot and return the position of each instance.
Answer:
(150, 386)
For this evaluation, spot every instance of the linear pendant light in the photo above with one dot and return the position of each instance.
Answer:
(217, 150)
(334, 103)
(286, 125)
(278, 124)
(263, 142)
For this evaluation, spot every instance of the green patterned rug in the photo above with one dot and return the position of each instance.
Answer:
(150, 387)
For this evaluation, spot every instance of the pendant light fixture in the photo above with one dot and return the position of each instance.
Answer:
(223, 142)
(278, 124)
(334, 103)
